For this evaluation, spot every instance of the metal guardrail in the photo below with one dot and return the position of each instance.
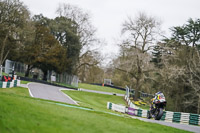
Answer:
(176, 117)
(13, 83)
(132, 92)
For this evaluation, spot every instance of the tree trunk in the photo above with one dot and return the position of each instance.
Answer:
(138, 78)
(136, 96)
(27, 71)
(176, 102)
(198, 109)
(2, 50)
(45, 75)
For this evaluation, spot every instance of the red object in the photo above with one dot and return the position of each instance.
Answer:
(6, 80)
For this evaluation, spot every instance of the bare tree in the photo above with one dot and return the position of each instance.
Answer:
(137, 66)
(141, 31)
(90, 66)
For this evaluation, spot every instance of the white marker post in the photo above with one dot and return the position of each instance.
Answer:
(1, 71)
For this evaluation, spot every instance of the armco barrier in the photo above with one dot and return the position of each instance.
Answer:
(109, 105)
(169, 116)
(144, 113)
(164, 116)
(13, 83)
(185, 117)
(177, 117)
(139, 113)
(130, 104)
(131, 111)
(194, 119)
(8, 85)
(4, 84)
(1, 84)
(115, 107)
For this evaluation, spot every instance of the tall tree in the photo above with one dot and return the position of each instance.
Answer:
(185, 42)
(188, 34)
(89, 70)
(141, 33)
(157, 56)
(65, 31)
(193, 77)
(48, 53)
(137, 65)
(13, 17)
(85, 29)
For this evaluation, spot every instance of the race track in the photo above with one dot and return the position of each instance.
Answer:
(49, 92)
(191, 128)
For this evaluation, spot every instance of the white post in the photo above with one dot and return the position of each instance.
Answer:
(1, 71)
(127, 91)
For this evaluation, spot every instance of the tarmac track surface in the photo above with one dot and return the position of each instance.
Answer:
(49, 92)
(186, 127)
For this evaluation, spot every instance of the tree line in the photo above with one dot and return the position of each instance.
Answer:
(61, 44)
(169, 64)
(147, 61)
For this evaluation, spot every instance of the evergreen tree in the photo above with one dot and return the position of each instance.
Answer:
(157, 56)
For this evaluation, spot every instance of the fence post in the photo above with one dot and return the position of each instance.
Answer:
(1, 67)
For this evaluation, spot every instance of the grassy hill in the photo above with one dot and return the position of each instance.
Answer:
(100, 88)
(94, 100)
(20, 113)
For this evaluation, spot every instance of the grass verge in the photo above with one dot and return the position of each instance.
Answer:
(20, 113)
(99, 88)
(24, 82)
(94, 100)
(19, 91)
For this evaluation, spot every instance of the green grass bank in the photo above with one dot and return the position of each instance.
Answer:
(19, 113)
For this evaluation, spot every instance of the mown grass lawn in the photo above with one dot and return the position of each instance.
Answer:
(24, 82)
(19, 91)
(94, 100)
(66, 85)
(100, 88)
(20, 113)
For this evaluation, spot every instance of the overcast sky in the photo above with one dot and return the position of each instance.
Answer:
(108, 15)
